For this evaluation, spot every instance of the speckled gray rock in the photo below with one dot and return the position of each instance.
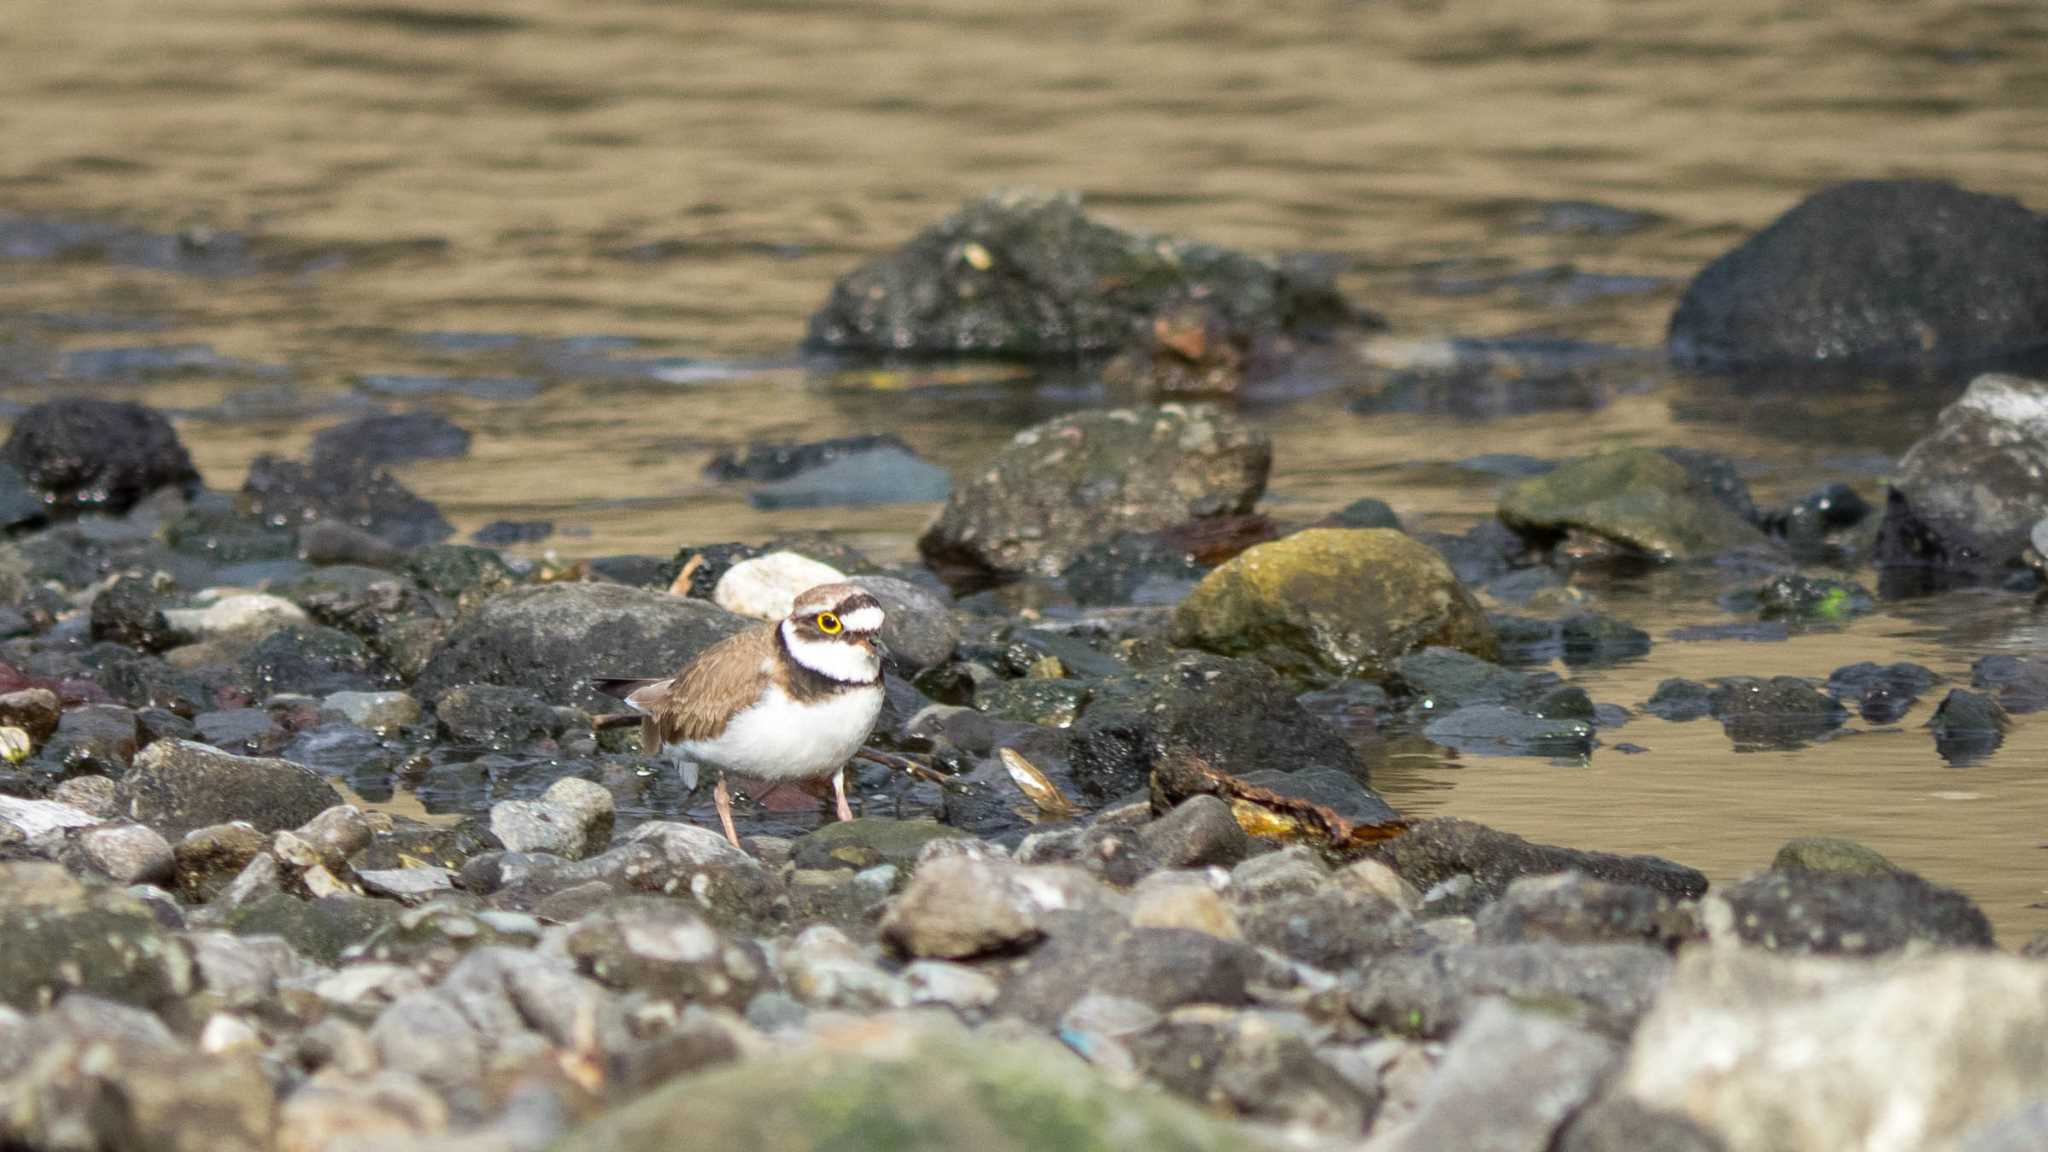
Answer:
(176, 786)
(1606, 986)
(1847, 913)
(553, 639)
(104, 943)
(1160, 967)
(1076, 481)
(1332, 928)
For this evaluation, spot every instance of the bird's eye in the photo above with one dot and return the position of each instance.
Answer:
(828, 624)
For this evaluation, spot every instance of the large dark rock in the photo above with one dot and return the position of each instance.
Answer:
(175, 786)
(130, 611)
(553, 639)
(1076, 481)
(287, 494)
(1437, 850)
(1781, 712)
(1022, 275)
(97, 455)
(1846, 913)
(315, 661)
(1966, 497)
(1872, 271)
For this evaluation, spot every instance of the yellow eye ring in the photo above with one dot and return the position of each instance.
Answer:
(829, 624)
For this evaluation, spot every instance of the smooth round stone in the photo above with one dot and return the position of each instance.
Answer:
(766, 587)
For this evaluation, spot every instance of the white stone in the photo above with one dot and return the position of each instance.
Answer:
(1802, 1054)
(236, 612)
(766, 587)
(33, 818)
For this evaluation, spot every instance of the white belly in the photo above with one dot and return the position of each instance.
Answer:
(780, 739)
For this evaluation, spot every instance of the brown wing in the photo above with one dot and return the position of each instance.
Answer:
(723, 679)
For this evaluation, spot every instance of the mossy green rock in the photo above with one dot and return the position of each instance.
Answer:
(870, 841)
(103, 943)
(1333, 602)
(938, 1091)
(1830, 854)
(1638, 498)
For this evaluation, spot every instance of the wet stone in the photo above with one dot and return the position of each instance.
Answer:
(1812, 599)
(1964, 500)
(2021, 684)
(35, 711)
(494, 716)
(1062, 487)
(1438, 849)
(129, 611)
(1781, 712)
(1049, 703)
(377, 711)
(1491, 729)
(1967, 727)
(1883, 693)
(244, 731)
(288, 494)
(97, 455)
(392, 438)
(868, 842)
(572, 819)
(1593, 640)
(123, 853)
(96, 740)
(1681, 700)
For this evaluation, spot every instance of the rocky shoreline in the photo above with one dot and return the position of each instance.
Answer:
(1139, 890)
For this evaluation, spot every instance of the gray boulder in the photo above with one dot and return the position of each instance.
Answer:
(97, 455)
(176, 786)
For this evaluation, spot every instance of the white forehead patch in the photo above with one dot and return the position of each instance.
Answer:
(863, 620)
(836, 659)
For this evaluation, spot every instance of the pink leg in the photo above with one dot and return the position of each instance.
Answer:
(839, 793)
(723, 799)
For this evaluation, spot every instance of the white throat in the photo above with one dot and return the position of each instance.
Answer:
(843, 661)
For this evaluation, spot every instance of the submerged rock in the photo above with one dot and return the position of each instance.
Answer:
(2021, 683)
(1064, 486)
(1872, 271)
(392, 438)
(1026, 276)
(1965, 498)
(1781, 712)
(553, 639)
(1333, 602)
(1883, 693)
(880, 476)
(1967, 727)
(1637, 500)
(85, 455)
(1494, 729)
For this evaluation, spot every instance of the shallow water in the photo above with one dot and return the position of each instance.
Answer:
(616, 215)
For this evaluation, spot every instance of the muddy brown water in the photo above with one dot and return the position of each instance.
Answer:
(479, 190)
